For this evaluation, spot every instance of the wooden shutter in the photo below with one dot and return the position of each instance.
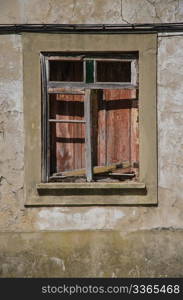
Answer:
(67, 139)
(117, 127)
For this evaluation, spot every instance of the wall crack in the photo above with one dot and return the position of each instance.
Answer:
(123, 19)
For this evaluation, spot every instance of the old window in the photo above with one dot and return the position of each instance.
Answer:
(90, 119)
(90, 104)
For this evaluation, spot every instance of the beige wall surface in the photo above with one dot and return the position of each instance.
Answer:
(90, 11)
(149, 235)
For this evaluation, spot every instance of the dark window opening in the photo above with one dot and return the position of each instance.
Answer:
(66, 71)
(113, 71)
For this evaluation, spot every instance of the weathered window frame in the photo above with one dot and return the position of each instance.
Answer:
(40, 193)
(81, 88)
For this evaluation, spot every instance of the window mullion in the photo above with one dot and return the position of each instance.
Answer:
(45, 129)
(88, 138)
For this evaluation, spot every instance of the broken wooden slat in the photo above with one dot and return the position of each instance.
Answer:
(96, 170)
(122, 176)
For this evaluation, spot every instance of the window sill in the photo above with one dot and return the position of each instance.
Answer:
(91, 194)
(89, 186)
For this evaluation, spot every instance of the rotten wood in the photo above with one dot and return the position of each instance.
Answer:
(122, 176)
(96, 170)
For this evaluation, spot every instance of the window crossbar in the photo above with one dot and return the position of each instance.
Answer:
(66, 121)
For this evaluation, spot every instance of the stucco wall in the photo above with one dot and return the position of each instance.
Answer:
(149, 235)
(90, 11)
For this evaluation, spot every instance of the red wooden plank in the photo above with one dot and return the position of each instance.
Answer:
(117, 138)
(67, 150)
(117, 128)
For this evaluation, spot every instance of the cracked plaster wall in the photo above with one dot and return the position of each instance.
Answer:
(14, 217)
(90, 11)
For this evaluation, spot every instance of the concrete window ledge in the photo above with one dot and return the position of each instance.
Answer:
(89, 186)
(77, 194)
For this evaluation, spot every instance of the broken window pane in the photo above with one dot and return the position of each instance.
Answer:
(66, 71)
(113, 71)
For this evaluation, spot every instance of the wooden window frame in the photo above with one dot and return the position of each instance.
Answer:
(53, 85)
(39, 193)
(45, 58)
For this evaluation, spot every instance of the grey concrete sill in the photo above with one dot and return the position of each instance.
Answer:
(88, 186)
(79, 194)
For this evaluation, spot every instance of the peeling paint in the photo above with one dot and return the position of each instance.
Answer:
(94, 218)
(59, 262)
(11, 101)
